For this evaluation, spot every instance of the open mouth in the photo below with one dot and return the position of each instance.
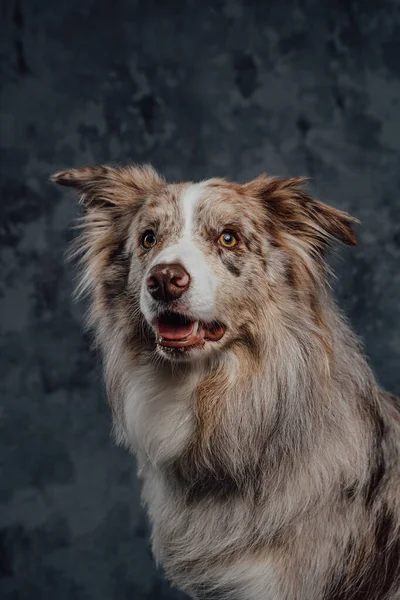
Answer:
(178, 331)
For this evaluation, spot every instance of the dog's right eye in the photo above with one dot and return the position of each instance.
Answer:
(149, 239)
(227, 239)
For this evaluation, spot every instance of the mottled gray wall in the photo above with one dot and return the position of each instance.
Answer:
(201, 87)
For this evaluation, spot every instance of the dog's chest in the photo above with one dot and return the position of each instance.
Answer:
(193, 542)
(158, 414)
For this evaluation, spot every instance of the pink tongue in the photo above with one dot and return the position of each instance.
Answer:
(175, 332)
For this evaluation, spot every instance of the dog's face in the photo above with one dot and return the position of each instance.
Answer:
(197, 258)
(195, 266)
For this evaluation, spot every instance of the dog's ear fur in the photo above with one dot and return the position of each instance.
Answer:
(105, 186)
(291, 211)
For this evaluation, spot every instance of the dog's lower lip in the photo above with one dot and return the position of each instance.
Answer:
(196, 340)
(177, 331)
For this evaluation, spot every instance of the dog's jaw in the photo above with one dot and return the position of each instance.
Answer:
(188, 340)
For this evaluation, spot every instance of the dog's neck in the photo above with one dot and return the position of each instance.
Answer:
(221, 424)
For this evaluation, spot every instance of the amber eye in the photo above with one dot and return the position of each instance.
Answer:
(149, 239)
(227, 239)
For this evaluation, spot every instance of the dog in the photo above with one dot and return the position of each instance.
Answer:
(268, 453)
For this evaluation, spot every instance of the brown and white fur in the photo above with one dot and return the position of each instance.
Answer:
(269, 456)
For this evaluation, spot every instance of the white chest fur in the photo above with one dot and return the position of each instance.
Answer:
(158, 410)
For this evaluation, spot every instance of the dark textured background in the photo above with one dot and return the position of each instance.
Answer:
(199, 88)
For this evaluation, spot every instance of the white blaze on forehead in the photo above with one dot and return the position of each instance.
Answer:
(190, 201)
(201, 294)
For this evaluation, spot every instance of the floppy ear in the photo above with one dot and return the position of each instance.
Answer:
(104, 186)
(291, 211)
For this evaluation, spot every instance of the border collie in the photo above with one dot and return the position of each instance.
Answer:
(268, 453)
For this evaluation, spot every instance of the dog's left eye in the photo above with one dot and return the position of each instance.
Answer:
(149, 239)
(227, 239)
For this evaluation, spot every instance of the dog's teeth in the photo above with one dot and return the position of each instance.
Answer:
(195, 328)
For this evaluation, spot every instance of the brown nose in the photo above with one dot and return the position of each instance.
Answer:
(167, 282)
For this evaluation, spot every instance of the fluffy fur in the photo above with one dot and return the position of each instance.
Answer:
(269, 458)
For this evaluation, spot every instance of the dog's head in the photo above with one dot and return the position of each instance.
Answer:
(189, 269)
